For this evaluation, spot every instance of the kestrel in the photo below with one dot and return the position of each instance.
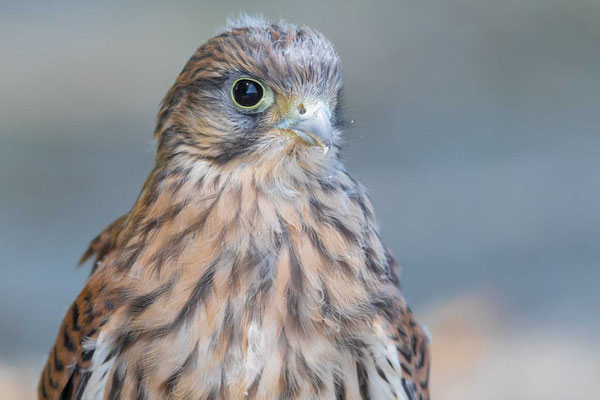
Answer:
(250, 266)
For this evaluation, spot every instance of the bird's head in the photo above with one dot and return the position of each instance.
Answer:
(257, 91)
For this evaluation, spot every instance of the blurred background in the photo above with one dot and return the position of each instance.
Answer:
(476, 129)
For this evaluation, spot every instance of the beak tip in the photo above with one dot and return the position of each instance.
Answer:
(316, 129)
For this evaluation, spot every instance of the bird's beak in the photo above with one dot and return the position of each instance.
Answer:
(314, 127)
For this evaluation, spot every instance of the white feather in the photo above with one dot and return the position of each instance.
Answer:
(100, 369)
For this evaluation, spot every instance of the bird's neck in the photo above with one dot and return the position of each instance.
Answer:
(250, 269)
(303, 241)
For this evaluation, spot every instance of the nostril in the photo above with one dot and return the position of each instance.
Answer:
(301, 109)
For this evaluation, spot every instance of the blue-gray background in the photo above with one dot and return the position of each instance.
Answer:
(476, 129)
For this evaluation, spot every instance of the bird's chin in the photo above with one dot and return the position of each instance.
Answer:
(300, 139)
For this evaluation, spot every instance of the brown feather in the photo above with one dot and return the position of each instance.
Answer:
(102, 244)
(250, 265)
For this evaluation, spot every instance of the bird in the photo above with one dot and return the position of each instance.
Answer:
(250, 265)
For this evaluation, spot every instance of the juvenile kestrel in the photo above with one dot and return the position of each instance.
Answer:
(250, 266)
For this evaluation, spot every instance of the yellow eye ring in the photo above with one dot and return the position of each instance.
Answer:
(247, 93)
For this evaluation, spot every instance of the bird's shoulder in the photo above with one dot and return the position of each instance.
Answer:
(399, 359)
(397, 362)
(104, 242)
(70, 363)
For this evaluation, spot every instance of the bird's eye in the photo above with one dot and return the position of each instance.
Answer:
(247, 93)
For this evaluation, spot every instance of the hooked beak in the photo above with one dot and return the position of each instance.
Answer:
(314, 127)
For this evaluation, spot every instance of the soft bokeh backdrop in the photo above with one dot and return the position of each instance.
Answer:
(476, 129)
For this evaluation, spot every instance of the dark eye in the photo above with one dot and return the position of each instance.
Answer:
(247, 93)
